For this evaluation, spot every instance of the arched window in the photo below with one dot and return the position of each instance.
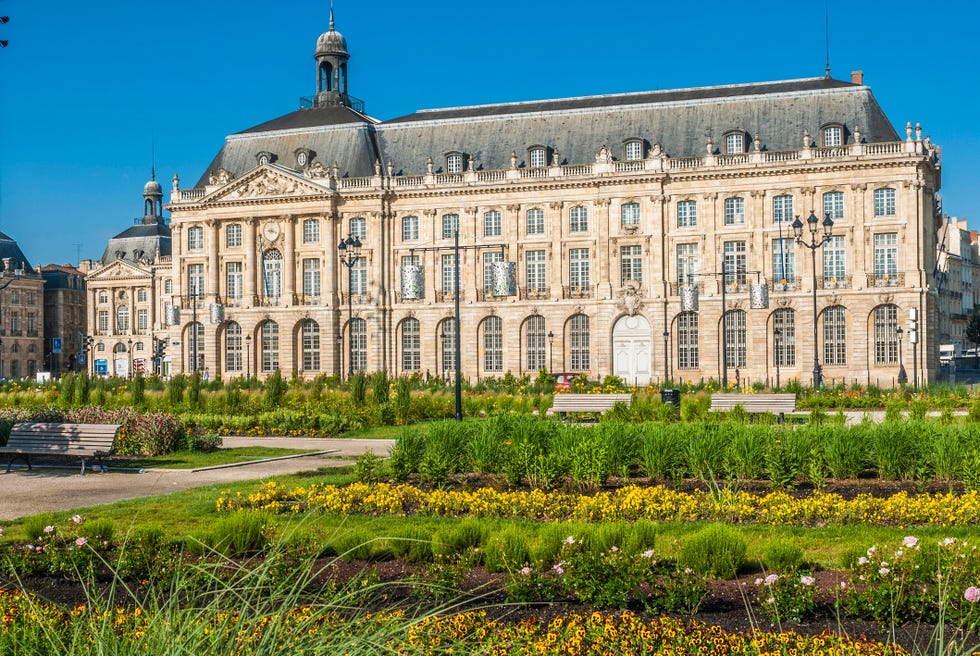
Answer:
(270, 346)
(536, 343)
(311, 345)
(411, 345)
(194, 342)
(358, 337)
(537, 156)
(122, 319)
(735, 338)
(493, 344)
(272, 268)
(326, 76)
(735, 143)
(233, 346)
(784, 321)
(886, 334)
(835, 336)
(580, 336)
(687, 341)
(447, 345)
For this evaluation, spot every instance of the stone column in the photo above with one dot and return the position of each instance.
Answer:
(289, 259)
(604, 277)
(558, 270)
(250, 274)
(214, 277)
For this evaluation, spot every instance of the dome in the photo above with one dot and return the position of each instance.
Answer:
(152, 188)
(332, 42)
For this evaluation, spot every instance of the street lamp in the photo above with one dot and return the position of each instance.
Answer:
(666, 356)
(129, 349)
(248, 357)
(350, 253)
(813, 245)
(903, 376)
(776, 334)
(551, 351)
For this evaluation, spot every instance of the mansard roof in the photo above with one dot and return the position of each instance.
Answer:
(137, 242)
(9, 248)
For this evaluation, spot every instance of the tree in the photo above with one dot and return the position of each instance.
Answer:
(972, 332)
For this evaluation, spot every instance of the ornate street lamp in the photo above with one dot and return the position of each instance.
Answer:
(248, 357)
(551, 351)
(350, 253)
(903, 376)
(813, 244)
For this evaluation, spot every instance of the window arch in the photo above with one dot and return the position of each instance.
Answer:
(580, 338)
(447, 345)
(537, 156)
(411, 345)
(233, 346)
(886, 334)
(270, 346)
(493, 344)
(784, 320)
(535, 343)
(835, 336)
(833, 134)
(688, 356)
(358, 337)
(735, 142)
(272, 270)
(735, 338)
(194, 340)
(634, 149)
(122, 319)
(310, 333)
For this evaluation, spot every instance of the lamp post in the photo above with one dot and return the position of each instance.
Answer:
(248, 357)
(666, 356)
(903, 376)
(813, 245)
(551, 351)
(350, 253)
(129, 350)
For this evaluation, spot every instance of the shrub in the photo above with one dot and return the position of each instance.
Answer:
(357, 544)
(782, 555)
(715, 551)
(787, 596)
(275, 388)
(604, 579)
(660, 451)
(589, 462)
(380, 391)
(507, 550)
(242, 533)
(137, 390)
(358, 387)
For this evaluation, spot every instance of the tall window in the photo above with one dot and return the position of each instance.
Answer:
(687, 341)
(454, 163)
(448, 273)
(358, 227)
(834, 259)
(195, 280)
(447, 339)
(536, 343)
(833, 204)
(537, 157)
(233, 346)
(835, 336)
(142, 321)
(488, 261)
(411, 345)
(272, 268)
(629, 214)
(410, 228)
(358, 277)
(195, 238)
(687, 214)
(634, 150)
(535, 222)
(884, 202)
(630, 264)
(311, 278)
(168, 286)
(578, 219)
(886, 255)
(833, 136)
(735, 143)
(886, 334)
(270, 346)
(734, 264)
(140, 296)
(233, 280)
(734, 211)
(195, 346)
(784, 321)
(578, 268)
(535, 271)
(491, 224)
(784, 260)
(103, 297)
(103, 322)
(735, 337)
(579, 342)
(311, 231)
(493, 344)
(122, 319)
(311, 345)
(687, 263)
(450, 224)
(782, 208)
(233, 235)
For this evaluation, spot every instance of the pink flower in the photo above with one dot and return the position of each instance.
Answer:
(883, 571)
(972, 594)
(910, 541)
(77, 519)
(614, 549)
(772, 578)
(49, 529)
(758, 581)
(648, 553)
(862, 561)
(570, 540)
(806, 580)
(81, 542)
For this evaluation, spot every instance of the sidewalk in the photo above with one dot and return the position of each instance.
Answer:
(48, 489)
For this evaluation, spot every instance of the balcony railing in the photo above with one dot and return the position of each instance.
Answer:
(534, 293)
(834, 282)
(357, 298)
(447, 296)
(569, 291)
(790, 284)
(886, 279)
(311, 299)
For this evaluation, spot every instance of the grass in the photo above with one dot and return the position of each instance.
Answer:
(197, 459)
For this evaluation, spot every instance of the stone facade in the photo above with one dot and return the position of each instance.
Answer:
(21, 313)
(65, 316)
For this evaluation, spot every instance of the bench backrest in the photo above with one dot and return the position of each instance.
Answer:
(588, 402)
(774, 403)
(76, 439)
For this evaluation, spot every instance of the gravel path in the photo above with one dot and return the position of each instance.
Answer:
(48, 489)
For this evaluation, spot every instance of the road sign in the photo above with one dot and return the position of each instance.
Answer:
(56, 345)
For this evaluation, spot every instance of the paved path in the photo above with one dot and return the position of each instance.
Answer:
(48, 489)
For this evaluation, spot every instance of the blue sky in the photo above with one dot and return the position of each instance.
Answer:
(86, 88)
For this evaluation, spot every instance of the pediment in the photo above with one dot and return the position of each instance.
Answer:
(118, 270)
(266, 181)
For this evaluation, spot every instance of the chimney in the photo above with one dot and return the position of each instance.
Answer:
(857, 77)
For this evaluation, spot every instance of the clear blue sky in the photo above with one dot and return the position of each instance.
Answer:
(86, 87)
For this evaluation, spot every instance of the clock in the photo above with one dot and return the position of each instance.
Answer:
(270, 231)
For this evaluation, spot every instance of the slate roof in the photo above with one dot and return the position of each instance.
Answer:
(680, 120)
(56, 276)
(9, 248)
(137, 242)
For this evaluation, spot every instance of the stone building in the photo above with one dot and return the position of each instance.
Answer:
(124, 288)
(613, 208)
(21, 313)
(65, 318)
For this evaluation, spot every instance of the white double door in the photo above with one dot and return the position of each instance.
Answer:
(632, 350)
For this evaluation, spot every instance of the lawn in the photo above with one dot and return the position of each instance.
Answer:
(199, 459)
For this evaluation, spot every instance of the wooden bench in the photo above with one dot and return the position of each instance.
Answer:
(84, 441)
(777, 404)
(565, 403)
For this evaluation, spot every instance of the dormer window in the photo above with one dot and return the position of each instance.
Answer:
(833, 135)
(634, 150)
(454, 163)
(537, 156)
(735, 143)
(264, 158)
(303, 157)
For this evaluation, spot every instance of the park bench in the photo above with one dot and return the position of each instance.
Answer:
(84, 441)
(778, 404)
(565, 403)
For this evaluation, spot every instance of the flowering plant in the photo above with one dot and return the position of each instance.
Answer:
(786, 596)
